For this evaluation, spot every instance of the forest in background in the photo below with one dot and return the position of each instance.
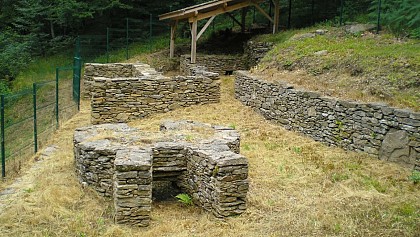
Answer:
(38, 28)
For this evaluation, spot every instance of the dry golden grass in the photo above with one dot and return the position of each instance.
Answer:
(298, 187)
(341, 85)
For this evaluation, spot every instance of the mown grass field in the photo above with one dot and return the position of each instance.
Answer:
(298, 187)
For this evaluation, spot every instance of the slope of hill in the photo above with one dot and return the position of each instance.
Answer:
(360, 66)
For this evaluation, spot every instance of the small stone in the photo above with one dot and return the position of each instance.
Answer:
(321, 53)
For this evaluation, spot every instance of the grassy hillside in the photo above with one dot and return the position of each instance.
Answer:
(362, 66)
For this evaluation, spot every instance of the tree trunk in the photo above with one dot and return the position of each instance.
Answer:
(52, 29)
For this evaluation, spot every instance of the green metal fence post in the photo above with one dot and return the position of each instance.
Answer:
(57, 71)
(151, 26)
(35, 122)
(79, 65)
(3, 149)
(341, 12)
(77, 51)
(378, 27)
(107, 45)
(77, 73)
(289, 19)
(126, 40)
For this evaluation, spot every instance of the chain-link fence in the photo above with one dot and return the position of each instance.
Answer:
(29, 117)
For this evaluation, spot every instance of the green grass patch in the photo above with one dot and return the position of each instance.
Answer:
(41, 69)
(388, 66)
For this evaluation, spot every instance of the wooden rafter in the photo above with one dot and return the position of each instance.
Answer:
(210, 10)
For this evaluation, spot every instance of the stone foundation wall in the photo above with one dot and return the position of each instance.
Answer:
(210, 169)
(125, 99)
(214, 63)
(377, 129)
(255, 51)
(112, 70)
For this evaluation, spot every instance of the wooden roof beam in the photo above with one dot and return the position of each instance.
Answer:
(187, 11)
(219, 11)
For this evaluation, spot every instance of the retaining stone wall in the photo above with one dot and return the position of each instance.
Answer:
(377, 129)
(255, 51)
(122, 163)
(125, 99)
(214, 63)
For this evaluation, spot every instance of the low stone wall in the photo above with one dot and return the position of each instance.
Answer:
(122, 163)
(255, 51)
(214, 63)
(124, 99)
(112, 70)
(377, 129)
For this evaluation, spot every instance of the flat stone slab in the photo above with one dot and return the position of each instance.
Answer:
(203, 160)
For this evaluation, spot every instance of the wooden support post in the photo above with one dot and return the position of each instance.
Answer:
(276, 16)
(173, 37)
(194, 40)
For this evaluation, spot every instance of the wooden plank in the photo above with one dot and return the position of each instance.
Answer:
(263, 12)
(194, 41)
(205, 27)
(192, 9)
(222, 10)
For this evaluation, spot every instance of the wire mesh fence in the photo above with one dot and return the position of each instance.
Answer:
(29, 117)
(114, 44)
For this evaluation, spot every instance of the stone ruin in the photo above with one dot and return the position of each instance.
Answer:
(122, 162)
(122, 92)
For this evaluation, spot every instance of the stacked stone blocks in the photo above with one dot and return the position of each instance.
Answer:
(123, 99)
(122, 163)
(214, 63)
(377, 129)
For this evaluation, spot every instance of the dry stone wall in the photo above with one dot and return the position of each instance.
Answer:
(255, 51)
(214, 63)
(377, 129)
(112, 70)
(122, 163)
(123, 99)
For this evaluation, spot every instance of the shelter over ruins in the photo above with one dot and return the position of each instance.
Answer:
(210, 10)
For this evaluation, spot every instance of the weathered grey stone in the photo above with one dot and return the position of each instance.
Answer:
(216, 64)
(321, 32)
(321, 53)
(359, 28)
(348, 124)
(302, 36)
(121, 97)
(395, 148)
(210, 170)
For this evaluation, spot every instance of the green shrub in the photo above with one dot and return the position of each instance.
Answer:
(415, 177)
(14, 56)
(185, 199)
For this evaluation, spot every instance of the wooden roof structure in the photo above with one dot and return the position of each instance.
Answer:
(210, 10)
